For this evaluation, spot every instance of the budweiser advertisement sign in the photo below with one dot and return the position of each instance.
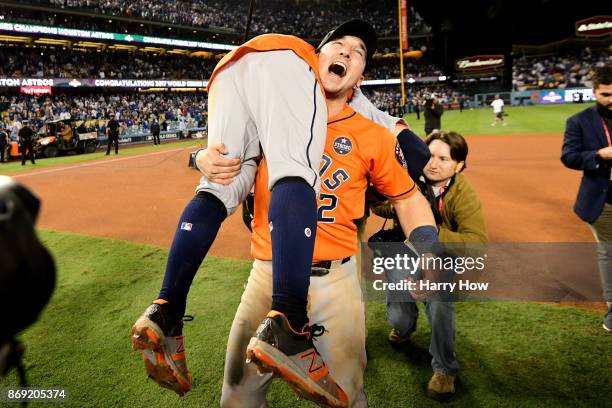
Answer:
(35, 90)
(594, 27)
(479, 62)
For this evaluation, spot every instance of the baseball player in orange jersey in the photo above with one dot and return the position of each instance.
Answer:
(267, 92)
(357, 152)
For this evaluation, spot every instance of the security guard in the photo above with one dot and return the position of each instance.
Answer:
(3, 143)
(112, 132)
(26, 142)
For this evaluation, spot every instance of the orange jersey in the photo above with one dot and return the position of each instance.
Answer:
(357, 152)
(272, 42)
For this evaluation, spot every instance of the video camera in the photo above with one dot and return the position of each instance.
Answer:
(27, 271)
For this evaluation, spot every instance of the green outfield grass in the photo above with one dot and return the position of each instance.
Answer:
(15, 166)
(520, 119)
(512, 354)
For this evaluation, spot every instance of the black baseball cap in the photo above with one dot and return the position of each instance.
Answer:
(356, 28)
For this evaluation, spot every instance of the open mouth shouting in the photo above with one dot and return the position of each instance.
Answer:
(338, 68)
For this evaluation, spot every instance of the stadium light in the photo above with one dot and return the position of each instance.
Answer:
(368, 82)
(33, 29)
(124, 47)
(175, 51)
(52, 41)
(10, 38)
(89, 44)
(152, 49)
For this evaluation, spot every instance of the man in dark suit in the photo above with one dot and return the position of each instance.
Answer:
(112, 132)
(587, 146)
(155, 129)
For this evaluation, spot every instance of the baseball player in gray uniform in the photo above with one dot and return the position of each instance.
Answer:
(335, 298)
(267, 92)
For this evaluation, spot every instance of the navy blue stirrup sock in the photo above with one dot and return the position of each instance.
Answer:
(293, 222)
(195, 233)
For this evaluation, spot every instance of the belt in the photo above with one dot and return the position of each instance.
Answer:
(322, 268)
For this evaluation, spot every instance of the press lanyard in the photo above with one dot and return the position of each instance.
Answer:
(440, 201)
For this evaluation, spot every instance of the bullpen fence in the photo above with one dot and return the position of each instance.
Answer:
(142, 137)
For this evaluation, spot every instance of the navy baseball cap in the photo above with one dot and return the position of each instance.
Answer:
(356, 28)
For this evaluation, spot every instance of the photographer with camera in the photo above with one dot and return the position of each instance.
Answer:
(458, 212)
(433, 114)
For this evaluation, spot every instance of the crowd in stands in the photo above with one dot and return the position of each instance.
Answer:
(58, 62)
(385, 99)
(558, 71)
(389, 99)
(135, 111)
(55, 62)
(389, 68)
(302, 18)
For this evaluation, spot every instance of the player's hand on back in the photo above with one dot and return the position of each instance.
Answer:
(215, 166)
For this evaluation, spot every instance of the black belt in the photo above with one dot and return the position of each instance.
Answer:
(322, 268)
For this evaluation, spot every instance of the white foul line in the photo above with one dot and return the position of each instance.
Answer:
(93, 163)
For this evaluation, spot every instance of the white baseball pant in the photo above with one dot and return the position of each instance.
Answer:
(335, 302)
(272, 99)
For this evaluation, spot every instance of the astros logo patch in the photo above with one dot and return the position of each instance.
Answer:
(399, 156)
(343, 145)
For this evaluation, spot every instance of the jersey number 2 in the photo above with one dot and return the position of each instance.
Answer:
(328, 203)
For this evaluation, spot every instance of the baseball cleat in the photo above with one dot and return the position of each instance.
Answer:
(277, 348)
(607, 324)
(158, 337)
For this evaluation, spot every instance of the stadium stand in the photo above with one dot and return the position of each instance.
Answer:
(136, 110)
(62, 62)
(201, 20)
(305, 19)
(568, 70)
(133, 110)
(388, 68)
(388, 99)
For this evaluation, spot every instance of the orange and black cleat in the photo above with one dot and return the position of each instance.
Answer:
(277, 348)
(158, 336)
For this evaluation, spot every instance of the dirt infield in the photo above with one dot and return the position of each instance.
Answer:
(526, 192)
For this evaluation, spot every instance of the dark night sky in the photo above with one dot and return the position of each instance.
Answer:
(481, 27)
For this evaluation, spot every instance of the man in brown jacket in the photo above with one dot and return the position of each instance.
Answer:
(460, 219)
